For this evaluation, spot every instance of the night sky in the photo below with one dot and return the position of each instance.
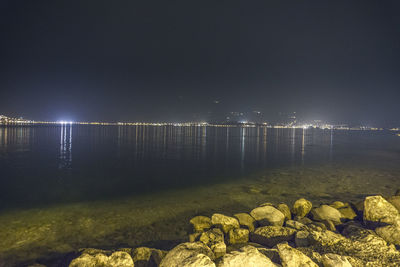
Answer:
(173, 60)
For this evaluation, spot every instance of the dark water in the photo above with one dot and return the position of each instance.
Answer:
(67, 187)
(76, 163)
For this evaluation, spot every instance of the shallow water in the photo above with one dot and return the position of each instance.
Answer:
(63, 188)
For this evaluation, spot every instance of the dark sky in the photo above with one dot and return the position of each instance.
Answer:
(167, 60)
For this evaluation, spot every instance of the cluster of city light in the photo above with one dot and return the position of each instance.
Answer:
(244, 123)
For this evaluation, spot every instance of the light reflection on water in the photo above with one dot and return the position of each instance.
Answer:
(108, 161)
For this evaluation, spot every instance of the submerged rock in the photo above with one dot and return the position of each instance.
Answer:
(189, 255)
(378, 210)
(291, 257)
(246, 221)
(118, 258)
(326, 213)
(200, 223)
(301, 207)
(246, 256)
(272, 235)
(268, 215)
(225, 223)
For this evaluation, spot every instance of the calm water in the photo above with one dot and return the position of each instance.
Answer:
(66, 187)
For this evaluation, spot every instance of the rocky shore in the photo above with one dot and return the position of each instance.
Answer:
(366, 233)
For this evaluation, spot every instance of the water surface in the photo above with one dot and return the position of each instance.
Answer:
(67, 187)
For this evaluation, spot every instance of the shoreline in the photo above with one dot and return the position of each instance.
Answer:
(366, 233)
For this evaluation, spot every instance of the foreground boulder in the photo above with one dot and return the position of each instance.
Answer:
(268, 215)
(378, 210)
(189, 255)
(359, 243)
(246, 256)
(301, 207)
(118, 258)
(225, 223)
(291, 257)
(272, 235)
(325, 213)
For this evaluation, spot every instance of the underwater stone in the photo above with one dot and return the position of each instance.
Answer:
(378, 210)
(282, 207)
(200, 223)
(246, 221)
(189, 255)
(268, 215)
(334, 260)
(291, 257)
(326, 213)
(246, 256)
(301, 207)
(225, 223)
(237, 236)
(272, 235)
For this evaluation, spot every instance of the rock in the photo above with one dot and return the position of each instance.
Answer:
(200, 223)
(326, 213)
(378, 210)
(361, 244)
(246, 256)
(194, 237)
(237, 236)
(212, 236)
(337, 204)
(302, 239)
(395, 201)
(303, 220)
(268, 215)
(271, 253)
(225, 223)
(390, 233)
(294, 224)
(334, 260)
(291, 257)
(118, 258)
(246, 221)
(347, 212)
(282, 207)
(219, 249)
(272, 235)
(301, 207)
(397, 193)
(189, 255)
(147, 257)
